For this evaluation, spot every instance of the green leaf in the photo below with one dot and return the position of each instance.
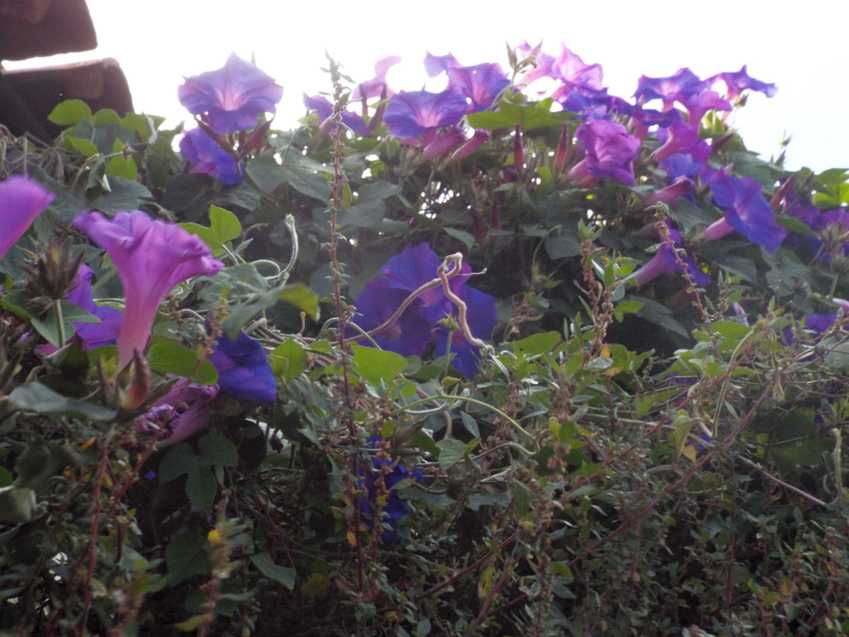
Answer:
(288, 359)
(280, 574)
(467, 239)
(451, 451)
(169, 357)
(301, 297)
(178, 461)
(122, 167)
(201, 488)
(246, 290)
(41, 399)
(224, 226)
(528, 116)
(376, 365)
(48, 327)
(537, 343)
(69, 113)
(82, 146)
(186, 556)
(216, 450)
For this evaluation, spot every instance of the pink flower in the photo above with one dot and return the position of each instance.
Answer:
(21, 201)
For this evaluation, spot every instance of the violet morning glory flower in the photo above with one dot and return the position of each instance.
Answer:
(699, 104)
(436, 64)
(393, 508)
(745, 210)
(21, 201)
(208, 158)
(94, 334)
(151, 257)
(231, 98)
(377, 86)
(418, 327)
(682, 138)
(324, 109)
(411, 115)
(180, 413)
(681, 187)
(738, 81)
(677, 87)
(481, 84)
(610, 152)
(243, 369)
(567, 68)
(664, 262)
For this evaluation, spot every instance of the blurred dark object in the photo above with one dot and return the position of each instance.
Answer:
(31, 28)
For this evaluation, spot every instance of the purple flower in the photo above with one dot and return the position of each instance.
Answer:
(481, 84)
(385, 497)
(664, 262)
(412, 115)
(610, 152)
(681, 187)
(376, 87)
(180, 413)
(208, 158)
(418, 327)
(699, 104)
(678, 87)
(151, 257)
(739, 81)
(682, 138)
(567, 68)
(243, 369)
(231, 98)
(94, 334)
(436, 64)
(324, 109)
(745, 210)
(21, 201)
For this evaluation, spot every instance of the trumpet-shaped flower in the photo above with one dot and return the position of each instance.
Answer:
(609, 152)
(745, 210)
(243, 369)
(481, 84)
(664, 261)
(231, 98)
(21, 201)
(151, 257)
(414, 115)
(94, 334)
(417, 328)
(738, 81)
(324, 109)
(376, 86)
(682, 138)
(208, 158)
(180, 413)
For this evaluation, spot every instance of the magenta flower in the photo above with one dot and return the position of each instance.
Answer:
(180, 413)
(414, 115)
(681, 187)
(208, 158)
(567, 68)
(739, 81)
(324, 109)
(231, 98)
(418, 327)
(151, 257)
(21, 201)
(745, 210)
(664, 262)
(609, 152)
(377, 86)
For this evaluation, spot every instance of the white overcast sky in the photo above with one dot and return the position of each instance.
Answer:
(800, 46)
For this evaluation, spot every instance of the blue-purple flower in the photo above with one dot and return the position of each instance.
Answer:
(243, 369)
(94, 334)
(381, 480)
(481, 84)
(745, 210)
(682, 138)
(738, 81)
(179, 414)
(151, 257)
(418, 327)
(207, 157)
(322, 107)
(376, 86)
(609, 152)
(21, 201)
(684, 87)
(415, 115)
(664, 261)
(231, 98)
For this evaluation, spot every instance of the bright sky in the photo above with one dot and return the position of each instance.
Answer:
(798, 46)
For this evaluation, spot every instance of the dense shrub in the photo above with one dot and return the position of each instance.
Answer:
(472, 362)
